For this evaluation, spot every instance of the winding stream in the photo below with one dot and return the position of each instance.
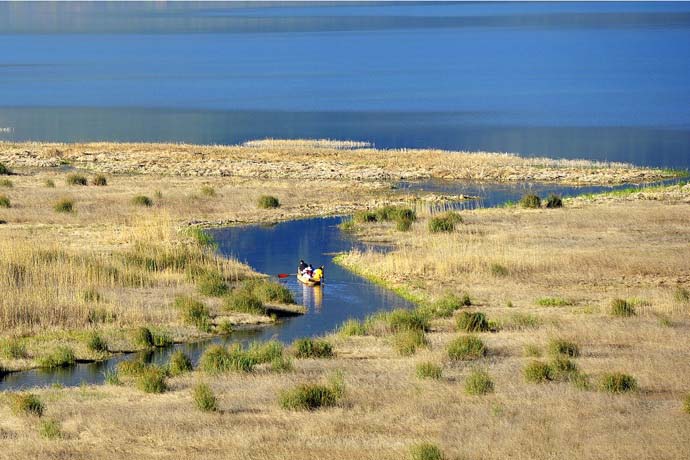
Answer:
(276, 249)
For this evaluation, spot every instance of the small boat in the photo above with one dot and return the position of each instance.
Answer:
(308, 281)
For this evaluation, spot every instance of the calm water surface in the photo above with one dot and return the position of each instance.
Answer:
(595, 80)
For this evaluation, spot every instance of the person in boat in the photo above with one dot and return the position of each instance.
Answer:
(302, 266)
(318, 274)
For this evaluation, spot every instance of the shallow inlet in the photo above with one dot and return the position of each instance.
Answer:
(277, 249)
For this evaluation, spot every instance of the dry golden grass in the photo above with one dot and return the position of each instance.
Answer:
(316, 160)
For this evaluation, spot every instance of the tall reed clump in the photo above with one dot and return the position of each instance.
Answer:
(426, 451)
(77, 179)
(204, 398)
(268, 202)
(27, 404)
(193, 312)
(313, 396)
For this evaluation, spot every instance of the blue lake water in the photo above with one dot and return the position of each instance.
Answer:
(606, 81)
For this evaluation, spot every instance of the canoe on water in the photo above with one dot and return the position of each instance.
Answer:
(308, 281)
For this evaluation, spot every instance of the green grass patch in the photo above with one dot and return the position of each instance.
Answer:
(617, 383)
(142, 200)
(204, 398)
(5, 202)
(244, 302)
(313, 396)
(281, 364)
(312, 348)
(6, 183)
(428, 370)
(622, 308)
(50, 429)
(268, 291)
(268, 202)
(27, 404)
(478, 383)
(60, 357)
(152, 380)
(193, 312)
(13, 348)
(96, 343)
(218, 359)
(265, 352)
(522, 321)
(426, 451)
(212, 284)
(562, 347)
(77, 179)
(553, 302)
(466, 348)
(686, 404)
(351, 327)
(64, 205)
(537, 372)
(444, 223)
(143, 337)
(472, 322)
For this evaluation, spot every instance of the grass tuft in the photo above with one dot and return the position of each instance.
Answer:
(425, 451)
(5, 202)
(217, 359)
(268, 202)
(142, 200)
(76, 179)
(60, 357)
(143, 337)
(265, 352)
(312, 348)
(444, 223)
(537, 372)
(553, 302)
(561, 347)
(96, 343)
(212, 284)
(99, 180)
(478, 383)
(466, 348)
(50, 429)
(428, 370)
(13, 348)
(152, 380)
(179, 364)
(406, 342)
(49, 183)
(6, 183)
(312, 396)
(204, 398)
(472, 322)
(498, 270)
(193, 312)
(244, 302)
(617, 383)
(686, 404)
(530, 201)
(208, 191)
(554, 201)
(64, 205)
(27, 404)
(622, 308)
(681, 295)
(4, 170)
(351, 327)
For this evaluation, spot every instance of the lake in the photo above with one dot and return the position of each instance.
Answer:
(606, 81)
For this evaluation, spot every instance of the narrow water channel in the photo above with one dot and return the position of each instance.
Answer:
(277, 249)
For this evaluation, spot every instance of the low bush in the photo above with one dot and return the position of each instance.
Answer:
(13, 348)
(217, 359)
(530, 201)
(143, 337)
(76, 179)
(444, 223)
(268, 291)
(64, 205)
(193, 312)
(472, 322)
(554, 201)
(406, 342)
(363, 217)
(426, 451)
(268, 202)
(617, 382)
(265, 352)
(142, 200)
(428, 370)
(466, 348)
(622, 308)
(207, 190)
(312, 396)
(5, 202)
(60, 357)
(50, 429)
(179, 364)
(244, 302)
(478, 383)
(212, 284)
(152, 380)
(99, 180)
(311, 348)
(204, 398)
(351, 327)
(27, 404)
(563, 368)
(95, 343)
(4, 170)
(537, 372)
(402, 319)
(561, 347)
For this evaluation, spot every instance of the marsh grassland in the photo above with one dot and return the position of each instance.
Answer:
(540, 332)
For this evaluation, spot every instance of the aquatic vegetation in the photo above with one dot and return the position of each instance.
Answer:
(478, 383)
(466, 348)
(268, 202)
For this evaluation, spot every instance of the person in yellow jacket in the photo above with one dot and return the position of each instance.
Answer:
(318, 274)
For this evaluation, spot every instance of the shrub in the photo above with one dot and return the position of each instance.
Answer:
(425, 451)
(142, 200)
(499, 270)
(50, 429)
(530, 201)
(64, 205)
(351, 327)
(212, 284)
(428, 370)
(563, 368)
(5, 202)
(143, 337)
(312, 396)
(179, 364)
(440, 224)
(193, 312)
(554, 201)
(207, 190)
(76, 179)
(60, 357)
(265, 352)
(537, 372)
(49, 183)
(245, 302)
(561, 347)
(99, 180)
(268, 202)
(27, 404)
(204, 398)
(406, 342)
(472, 322)
(6, 183)
(617, 382)
(466, 348)
(478, 383)
(686, 404)
(622, 308)
(4, 170)
(152, 380)
(310, 348)
(217, 359)
(681, 295)
(13, 348)
(95, 343)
